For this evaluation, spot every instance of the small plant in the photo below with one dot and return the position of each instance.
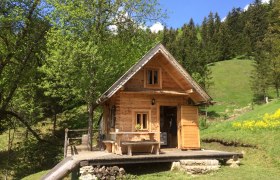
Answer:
(137, 127)
(225, 116)
(203, 123)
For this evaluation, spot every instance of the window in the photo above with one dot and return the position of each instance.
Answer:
(142, 119)
(152, 78)
(112, 116)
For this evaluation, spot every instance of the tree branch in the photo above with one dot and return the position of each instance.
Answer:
(11, 113)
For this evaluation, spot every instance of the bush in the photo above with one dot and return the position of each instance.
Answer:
(203, 123)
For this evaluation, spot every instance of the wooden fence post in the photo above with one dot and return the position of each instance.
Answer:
(65, 142)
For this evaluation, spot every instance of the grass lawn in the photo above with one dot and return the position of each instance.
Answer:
(231, 84)
(255, 165)
(265, 139)
(36, 175)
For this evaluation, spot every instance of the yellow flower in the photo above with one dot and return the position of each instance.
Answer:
(268, 121)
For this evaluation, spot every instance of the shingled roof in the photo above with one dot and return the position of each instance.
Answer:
(159, 48)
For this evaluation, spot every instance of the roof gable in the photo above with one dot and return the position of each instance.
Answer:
(159, 48)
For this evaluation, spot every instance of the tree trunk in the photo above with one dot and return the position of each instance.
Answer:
(14, 114)
(91, 108)
(90, 124)
(277, 90)
(54, 122)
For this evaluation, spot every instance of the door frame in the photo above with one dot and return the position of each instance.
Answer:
(178, 118)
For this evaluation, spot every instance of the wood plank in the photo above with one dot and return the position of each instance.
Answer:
(189, 127)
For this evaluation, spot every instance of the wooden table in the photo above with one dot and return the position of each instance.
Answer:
(119, 136)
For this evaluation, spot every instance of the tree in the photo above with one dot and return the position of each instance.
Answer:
(90, 43)
(23, 28)
(267, 56)
(271, 44)
(260, 75)
(256, 23)
(235, 28)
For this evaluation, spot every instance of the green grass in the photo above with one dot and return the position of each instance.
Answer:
(36, 175)
(255, 165)
(231, 84)
(265, 139)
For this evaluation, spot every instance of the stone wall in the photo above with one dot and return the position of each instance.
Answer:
(196, 166)
(97, 172)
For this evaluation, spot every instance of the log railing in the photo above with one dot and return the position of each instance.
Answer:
(76, 135)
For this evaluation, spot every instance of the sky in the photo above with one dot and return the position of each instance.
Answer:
(181, 11)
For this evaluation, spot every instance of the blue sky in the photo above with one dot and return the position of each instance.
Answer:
(180, 11)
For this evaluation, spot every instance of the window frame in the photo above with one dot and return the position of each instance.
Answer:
(112, 116)
(159, 78)
(148, 120)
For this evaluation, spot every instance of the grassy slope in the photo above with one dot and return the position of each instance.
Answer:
(35, 176)
(231, 88)
(267, 140)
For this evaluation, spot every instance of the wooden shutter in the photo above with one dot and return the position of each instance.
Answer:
(189, 128)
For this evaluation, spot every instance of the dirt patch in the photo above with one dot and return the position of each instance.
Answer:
(229, 143)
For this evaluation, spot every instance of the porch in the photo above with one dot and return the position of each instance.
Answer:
(85, 158)
(166, 155)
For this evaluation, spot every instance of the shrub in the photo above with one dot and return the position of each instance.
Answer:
(203, 123)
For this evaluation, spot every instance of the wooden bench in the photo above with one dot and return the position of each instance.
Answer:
(129, 144)
(110, 146)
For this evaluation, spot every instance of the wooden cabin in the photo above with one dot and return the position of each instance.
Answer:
(153, 105)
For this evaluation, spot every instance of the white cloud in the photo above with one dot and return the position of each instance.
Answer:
(155, 28)
(112, 27)
(265, 1)
(246, 7)
(143, 27)
(223, 20)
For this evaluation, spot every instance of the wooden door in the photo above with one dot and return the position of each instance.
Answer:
(189, 129)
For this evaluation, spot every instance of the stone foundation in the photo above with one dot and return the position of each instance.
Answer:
(97, 172)
(196, 166)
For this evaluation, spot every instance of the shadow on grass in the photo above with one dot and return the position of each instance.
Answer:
(213, 114)
(147, 168)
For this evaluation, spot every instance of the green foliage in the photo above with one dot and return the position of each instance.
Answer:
(23, 27)
(202, 123)
(83, 55)
(185, 45)
(35, 156)
(57, 55)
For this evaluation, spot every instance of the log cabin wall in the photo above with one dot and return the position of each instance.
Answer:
(133, 97)
(136, 83)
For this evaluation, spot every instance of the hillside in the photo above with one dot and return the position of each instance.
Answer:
(264, 158)
(231, 84)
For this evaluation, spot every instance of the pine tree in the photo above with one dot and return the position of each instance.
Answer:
(235, 23)
(260, 75)
(272, 46)
(267, 56)
(256, 24)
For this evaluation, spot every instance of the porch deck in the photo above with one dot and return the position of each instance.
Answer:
(84, 158)
(166, 155)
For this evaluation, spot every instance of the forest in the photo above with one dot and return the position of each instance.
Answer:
(58, 56)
